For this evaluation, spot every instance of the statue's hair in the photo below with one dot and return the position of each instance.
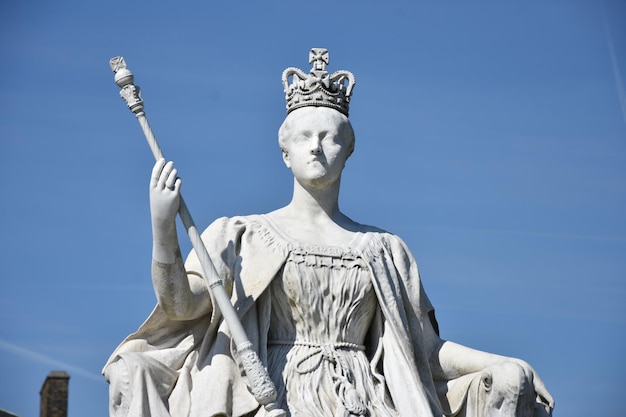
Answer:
(345, 128)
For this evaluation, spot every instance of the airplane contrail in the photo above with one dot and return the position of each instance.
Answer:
(614, 64)
(32, 355)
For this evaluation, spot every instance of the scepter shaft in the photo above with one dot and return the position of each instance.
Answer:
(262, 387)
(212, 278)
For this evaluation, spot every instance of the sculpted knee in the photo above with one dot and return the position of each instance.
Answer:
(139, 385)
(132, 362)
(119, 388)
(506, 391)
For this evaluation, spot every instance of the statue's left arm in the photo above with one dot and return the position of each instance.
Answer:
(450, 360)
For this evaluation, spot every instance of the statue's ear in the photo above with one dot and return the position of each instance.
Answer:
(286, 158)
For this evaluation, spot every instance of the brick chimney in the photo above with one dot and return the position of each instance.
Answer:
(54, 395)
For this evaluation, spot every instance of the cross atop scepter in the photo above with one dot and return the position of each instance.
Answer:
(125, 79)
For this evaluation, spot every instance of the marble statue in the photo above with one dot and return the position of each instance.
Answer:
(335, 309)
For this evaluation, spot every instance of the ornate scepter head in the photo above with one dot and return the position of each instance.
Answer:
(125, 79)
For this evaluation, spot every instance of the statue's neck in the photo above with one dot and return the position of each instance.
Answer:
(314, 204)
(313, 217)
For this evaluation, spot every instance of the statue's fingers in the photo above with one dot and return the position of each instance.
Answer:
(164, 175)
(171, 179)
(156, 172)
(542, 392)
(177, 184)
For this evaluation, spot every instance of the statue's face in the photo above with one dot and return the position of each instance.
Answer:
(316, 144)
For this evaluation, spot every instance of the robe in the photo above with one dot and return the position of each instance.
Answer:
(186, 368)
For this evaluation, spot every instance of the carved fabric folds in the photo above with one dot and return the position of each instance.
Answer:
(322, 306)
(186, 368)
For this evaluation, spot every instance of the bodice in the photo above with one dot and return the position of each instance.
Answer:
(324, 297)
(322, 306)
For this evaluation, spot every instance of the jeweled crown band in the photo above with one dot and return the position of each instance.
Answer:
(318, 88)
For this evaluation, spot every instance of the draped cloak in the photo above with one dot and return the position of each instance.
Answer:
(204, 379)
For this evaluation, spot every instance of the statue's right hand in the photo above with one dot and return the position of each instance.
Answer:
(164, 193)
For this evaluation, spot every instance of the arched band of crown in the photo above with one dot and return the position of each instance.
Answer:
(318, 88)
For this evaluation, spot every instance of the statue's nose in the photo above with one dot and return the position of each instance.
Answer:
(316, 147)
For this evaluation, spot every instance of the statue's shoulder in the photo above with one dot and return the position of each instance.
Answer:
(367, 228)
(387, 239)
(237, 221)
(233, 226)
(375, 237)
(375, 230)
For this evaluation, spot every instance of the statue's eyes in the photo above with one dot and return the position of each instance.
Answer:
(300, 138)
(335, 139)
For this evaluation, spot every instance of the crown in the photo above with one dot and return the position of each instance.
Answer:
(318, 88)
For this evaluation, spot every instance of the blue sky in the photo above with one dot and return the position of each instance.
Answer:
(491, 136)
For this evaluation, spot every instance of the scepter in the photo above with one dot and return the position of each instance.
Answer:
(261, 385)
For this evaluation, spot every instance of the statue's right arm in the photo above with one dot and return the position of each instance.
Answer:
(182, 296)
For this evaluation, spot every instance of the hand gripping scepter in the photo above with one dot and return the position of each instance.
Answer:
(261, 385)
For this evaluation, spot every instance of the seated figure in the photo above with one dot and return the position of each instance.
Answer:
(335, 309)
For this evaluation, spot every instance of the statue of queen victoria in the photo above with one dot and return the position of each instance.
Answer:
(335, 309)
